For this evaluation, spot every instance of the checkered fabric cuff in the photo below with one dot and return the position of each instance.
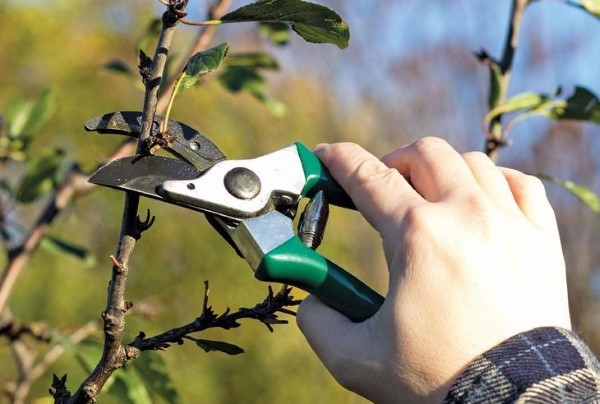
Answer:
(544, 365)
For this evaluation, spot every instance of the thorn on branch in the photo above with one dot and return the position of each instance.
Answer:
(117, 265)
(58, 389)
(145, 68)
(143, 225)
(485, 58)
(266, 312)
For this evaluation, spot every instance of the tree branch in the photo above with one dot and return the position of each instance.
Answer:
(495, 139)
(113, 355)
(265, 312)
(203, 40)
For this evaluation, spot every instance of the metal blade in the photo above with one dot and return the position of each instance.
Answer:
(184, 141)
(144, 175)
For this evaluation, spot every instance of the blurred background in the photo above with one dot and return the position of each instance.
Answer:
(409, 72)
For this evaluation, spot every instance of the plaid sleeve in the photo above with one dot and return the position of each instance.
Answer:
(544, 365)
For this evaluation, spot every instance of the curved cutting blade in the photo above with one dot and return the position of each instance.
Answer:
(144, 175)
(183, 141)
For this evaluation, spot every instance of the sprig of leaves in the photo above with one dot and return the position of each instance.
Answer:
(313, 22)
(582, 105)
(583, 193)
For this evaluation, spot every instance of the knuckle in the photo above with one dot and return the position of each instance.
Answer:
(476, 156)
(426, 144)
(369, 173)
(533, 184)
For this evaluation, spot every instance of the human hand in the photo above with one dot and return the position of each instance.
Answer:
(474, 257)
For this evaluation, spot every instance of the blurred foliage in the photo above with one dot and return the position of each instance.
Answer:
(92, 38)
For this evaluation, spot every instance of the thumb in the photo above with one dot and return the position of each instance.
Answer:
(342, 345)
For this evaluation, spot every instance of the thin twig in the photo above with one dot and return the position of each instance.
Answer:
(34, 371)
(266, 312)
(203, 40)
(495, 140)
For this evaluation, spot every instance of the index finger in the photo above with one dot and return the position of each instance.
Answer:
(434, 168)
(379, 192)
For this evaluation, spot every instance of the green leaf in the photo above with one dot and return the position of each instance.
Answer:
(248, 79)
(582, 105)
(258, 60)
(584, 194)
(42, 110)
(521, 102)
(16, 115)
(153, 370)
(276, 32)
(129, 387)
(149, 35)
(87, 354)
(40, 176)
(58, 246)
(313, 22)
(120, 67)
(201, 64)
(591, 6)
(27, 117)
(229, 349)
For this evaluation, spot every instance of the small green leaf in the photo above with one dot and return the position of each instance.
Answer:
(591, 6)
(153, 370)
(313, 22)
(584, 194)
(201, 64)
(120, 67)
(58, 246)
(40, 176)
(520, 102)
(42, 110)
(27, 117)
(276, 32)
(150, 34)
(129, 387)
(258, 60)
(16, 115)
(229, 349)
(248, 79)
(582, 105)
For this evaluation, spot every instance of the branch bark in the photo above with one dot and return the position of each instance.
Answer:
(114, 354)
(203, 40)
(496, 140)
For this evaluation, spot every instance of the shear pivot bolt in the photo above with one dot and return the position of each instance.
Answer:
(242, 183)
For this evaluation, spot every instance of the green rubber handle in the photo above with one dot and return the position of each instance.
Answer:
(296, 264)
(318, 179)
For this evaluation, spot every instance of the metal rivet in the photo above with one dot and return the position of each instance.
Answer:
(195, 146)
(242, 183)
(191, 186)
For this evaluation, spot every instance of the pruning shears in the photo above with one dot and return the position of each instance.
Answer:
(251, 203)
